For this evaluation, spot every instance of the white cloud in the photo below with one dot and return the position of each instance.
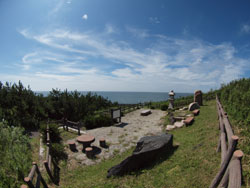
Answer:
(154, 20)
(167, 63)
(245, 28)
(109, 29)
(85, 17)
(140, 33)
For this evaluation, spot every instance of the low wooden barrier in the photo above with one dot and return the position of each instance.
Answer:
(73, 125)
(34, 172)
(229, 174)
(49, 163)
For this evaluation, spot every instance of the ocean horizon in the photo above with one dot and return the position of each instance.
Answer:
(128, 97)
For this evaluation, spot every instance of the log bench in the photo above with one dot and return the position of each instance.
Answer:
(145, 112)
(196, 112)
(189, 120)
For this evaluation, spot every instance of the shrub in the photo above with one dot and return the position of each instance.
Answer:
(15, 155)
(55, 136)
(152, 107)
(92, 122)
(164, 107)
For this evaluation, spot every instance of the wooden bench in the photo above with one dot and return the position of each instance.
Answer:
(145, 112)
(189, 120)
(196, 112)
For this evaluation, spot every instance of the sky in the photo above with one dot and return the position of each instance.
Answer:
(129, 45)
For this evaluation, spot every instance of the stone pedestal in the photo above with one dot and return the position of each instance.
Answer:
(198, 97)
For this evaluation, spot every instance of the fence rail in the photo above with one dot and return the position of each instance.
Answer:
(51, 168)
(229, 174)
(34, 172)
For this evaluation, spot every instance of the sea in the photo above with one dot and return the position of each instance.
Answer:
(129, 97)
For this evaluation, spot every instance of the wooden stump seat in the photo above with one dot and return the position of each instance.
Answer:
(72, 145)
(89, 152)
(102, 142)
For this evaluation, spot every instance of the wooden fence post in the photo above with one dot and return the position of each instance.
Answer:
(219, 175)
(235, 175)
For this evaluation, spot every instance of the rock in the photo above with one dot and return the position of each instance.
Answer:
(179, 124)
(179, 118)
(198, 97)
(81, 157)
(147, 150)
(171, 118)
(170, 127)
(192, 106)
(185, 108)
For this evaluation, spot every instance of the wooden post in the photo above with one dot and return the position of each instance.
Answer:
(235, 175)
(40, 175)
(79, 132)
(223, 146)
(219, 175)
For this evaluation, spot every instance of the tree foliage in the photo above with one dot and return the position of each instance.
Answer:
(20, 106)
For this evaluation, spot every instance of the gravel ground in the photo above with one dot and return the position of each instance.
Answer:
(120, 137)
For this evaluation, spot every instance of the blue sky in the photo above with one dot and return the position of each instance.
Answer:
(132, 45)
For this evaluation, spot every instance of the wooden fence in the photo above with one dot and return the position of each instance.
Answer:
(34, 174)
(50, 165)
(229, 174)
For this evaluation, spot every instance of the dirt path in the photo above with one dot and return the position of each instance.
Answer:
(121, 136)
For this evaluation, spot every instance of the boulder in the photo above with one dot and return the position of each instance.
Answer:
(147, 150)
(192, 106)
(170, 127)
(179, 124)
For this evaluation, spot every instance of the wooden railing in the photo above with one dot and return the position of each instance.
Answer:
(34, 172)
(229, 174)
(50, 165)
(73, 125)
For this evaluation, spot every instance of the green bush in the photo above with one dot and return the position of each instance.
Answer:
(164, 107)
(96, 121)
(55, 136)
(57, 151)
(15, 160)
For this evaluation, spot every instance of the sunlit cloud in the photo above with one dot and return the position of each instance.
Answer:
(85, 17)
(166, 63)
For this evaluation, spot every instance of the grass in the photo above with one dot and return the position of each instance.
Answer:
(67, 135)
(35, 146)
(193, 164)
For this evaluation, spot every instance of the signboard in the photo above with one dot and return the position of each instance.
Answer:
(116, 113)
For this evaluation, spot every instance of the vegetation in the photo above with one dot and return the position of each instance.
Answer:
(193, 164)
(235, 98)
(15, 160)
(20, 106)
(98, 120)
(57, 147)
